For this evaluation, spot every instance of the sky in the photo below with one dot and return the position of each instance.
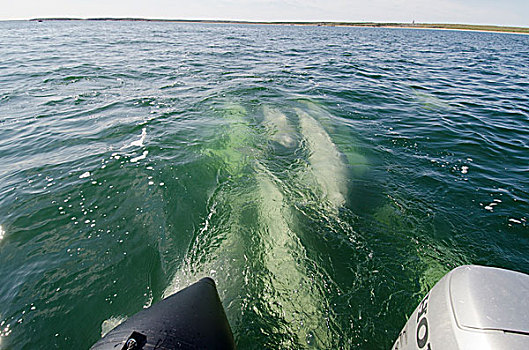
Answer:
(499, 12)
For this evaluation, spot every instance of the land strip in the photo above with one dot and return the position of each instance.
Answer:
(446, 26)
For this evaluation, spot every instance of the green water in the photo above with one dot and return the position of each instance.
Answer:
(326, 178)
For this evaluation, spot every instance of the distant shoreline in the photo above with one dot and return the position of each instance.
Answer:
(465, 27)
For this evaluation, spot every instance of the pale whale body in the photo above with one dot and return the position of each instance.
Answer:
(278, 126)
(325, 161)
(217, 250)
(296, 297)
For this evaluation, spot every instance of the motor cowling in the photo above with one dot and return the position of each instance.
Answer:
(472, 307)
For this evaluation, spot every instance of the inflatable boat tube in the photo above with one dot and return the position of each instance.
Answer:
(193, 318)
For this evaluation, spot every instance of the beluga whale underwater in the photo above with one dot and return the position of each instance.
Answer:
(250, 242)
(274, 290)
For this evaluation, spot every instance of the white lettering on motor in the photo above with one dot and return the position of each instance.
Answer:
(422, 324)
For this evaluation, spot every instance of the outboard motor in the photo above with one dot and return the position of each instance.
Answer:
(472, 307)
(193, 318)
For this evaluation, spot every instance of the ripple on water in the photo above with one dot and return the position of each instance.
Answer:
(146, 155)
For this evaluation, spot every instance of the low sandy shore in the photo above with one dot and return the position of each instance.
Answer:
(440, 26)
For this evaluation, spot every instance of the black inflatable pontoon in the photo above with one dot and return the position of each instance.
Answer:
(193, 318)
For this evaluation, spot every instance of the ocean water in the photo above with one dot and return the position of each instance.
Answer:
(326, 178)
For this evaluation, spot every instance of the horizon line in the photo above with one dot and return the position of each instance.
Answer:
(228, 21)
(374, 24)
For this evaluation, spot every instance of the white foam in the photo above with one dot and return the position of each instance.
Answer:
(111, 323)
(186, 273)
(2, 233)
(464, 169)
(84, 175)
(139, 142)
(516, 221)
(143, 156)
(492, 204)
